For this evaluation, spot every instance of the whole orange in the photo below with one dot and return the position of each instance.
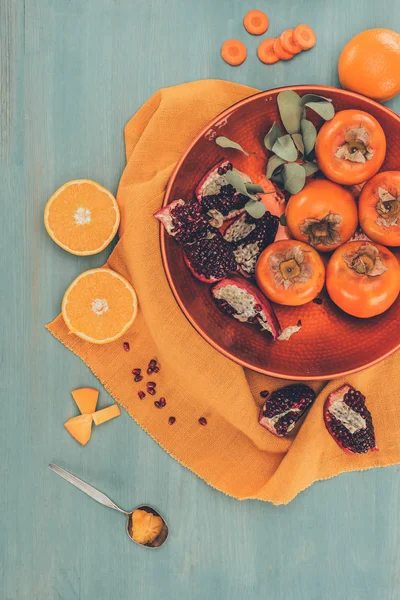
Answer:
(370, 64)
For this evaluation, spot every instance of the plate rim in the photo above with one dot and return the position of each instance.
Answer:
(171, 180)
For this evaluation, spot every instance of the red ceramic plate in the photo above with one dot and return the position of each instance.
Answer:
(330, 343)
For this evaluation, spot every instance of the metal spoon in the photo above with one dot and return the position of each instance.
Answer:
(102, 499)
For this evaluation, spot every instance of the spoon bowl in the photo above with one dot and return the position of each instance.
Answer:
(162, 536)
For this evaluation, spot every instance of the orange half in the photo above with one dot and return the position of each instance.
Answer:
(99, 306)
(82, 217)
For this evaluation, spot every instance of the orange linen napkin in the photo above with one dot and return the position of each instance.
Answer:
(233, 453)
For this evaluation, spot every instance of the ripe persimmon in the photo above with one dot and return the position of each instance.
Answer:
(290, 272)
(363, 279)
(323, 214)
(351, 147)
(370, 64)
(379, 207)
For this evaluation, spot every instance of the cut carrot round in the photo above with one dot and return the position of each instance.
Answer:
(304, 37)
(82, 217)
(86, 399)
(280, 52)
(233, 52)
(106, 414)
(256, 22)
(288, 43)
(99, 306)
(266, 53)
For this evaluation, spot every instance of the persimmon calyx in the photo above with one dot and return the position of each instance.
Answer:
(365, 261)
(322, 231)
(356, 147)
(388, 208)
(290, 268)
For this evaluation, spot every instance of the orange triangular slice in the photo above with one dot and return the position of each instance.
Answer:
(105, 414)
(86, 399)
(80, 428)
(99, 306)
(82, 217)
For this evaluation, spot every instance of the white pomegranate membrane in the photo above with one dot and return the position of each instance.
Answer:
(243, 303)
(347, 416)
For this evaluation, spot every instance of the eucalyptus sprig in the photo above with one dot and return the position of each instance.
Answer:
(298, 141)
(254, 207)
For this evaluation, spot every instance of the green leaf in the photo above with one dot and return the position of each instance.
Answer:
(284, 148)
(323, 109)
(290, 109)
(273, 163)
(313, 98)
(298, 140)
(256, 209)
(310, 168)
(309, 134)
(294, 177)
(254, 188)
(272, 136)
(234, 179)
(282, 219)
(224, 142)
(278, 177)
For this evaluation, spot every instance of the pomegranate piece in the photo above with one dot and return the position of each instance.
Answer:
(126, 346)
(349, 421)
(242, 300)
(219, 199)
(203, 421)
(284, 407)
(171, 420)
(250, 237)
(184, 221)
(210, 259)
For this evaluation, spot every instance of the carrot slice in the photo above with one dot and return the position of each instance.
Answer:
(288, 43)
(280, 52)
(105, 414)
(233, 52)
(80, 428)
(304, 37)
(86, 399)
(265, 52)
(256, 22)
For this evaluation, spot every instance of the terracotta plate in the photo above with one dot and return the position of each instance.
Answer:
(330, 343)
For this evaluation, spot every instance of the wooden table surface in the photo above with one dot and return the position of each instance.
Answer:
(72, 74)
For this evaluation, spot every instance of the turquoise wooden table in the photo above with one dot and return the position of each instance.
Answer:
(72, 74)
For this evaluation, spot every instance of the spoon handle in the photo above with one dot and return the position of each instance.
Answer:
(85, 487)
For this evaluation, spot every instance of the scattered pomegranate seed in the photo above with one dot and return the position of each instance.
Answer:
(152, 363)
(141, 394)
(151, 391)
(162, 401)
(138, 378)
(203, 421)
(151, 384)
(136, 372)
(149, 371)
(171, 420)
(126, 346)
(156, 369)
(264, 393)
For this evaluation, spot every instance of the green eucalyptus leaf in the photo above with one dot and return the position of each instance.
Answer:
(284, 148)
(309, 134)
(294, 177)
(273, 163)
(290, 110)
(282, 219)
(224, 142)
(310, 168)
(298, 141)
(272, 136)
(255, 209)
(313, 98)
(323, 109)
(254, 188)
(234, 179)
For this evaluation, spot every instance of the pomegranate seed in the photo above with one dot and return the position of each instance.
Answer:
(221, 171)
(203, 421)
(258, 307)
(126, 346)
(171, 420)
(149, 371)
(264, 394)
(136, 372)
(141, 394)
(151, 391)
(156, 369)
(157, 404)
(138, 378)
(151, 384)
(152, 363)
(162, 401)
(229, 166)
